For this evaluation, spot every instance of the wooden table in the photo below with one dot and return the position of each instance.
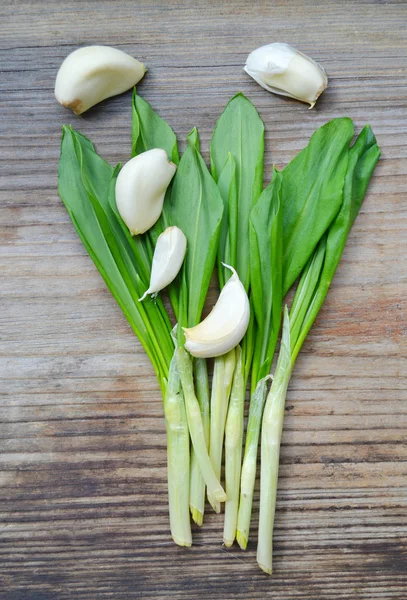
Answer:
(83, 465)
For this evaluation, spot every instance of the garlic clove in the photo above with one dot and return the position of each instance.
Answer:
(168, 257)
(284, 70)
(225, 325)
(141, 187)
(92, 74)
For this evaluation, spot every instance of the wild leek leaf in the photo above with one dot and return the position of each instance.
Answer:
(310, 294)
(98, 177)
(149, 130)
(227, 184)
(266, 251)
(196, 207)
(239, 131)
(84, 181)
(363, 156)
(311, 194)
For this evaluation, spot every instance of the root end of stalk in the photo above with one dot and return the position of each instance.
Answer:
(215, 502)
(221, 496)
(241, 540)
(196, 515)
(182, 542)
(228, 543)
(216, 506)
(266, 569)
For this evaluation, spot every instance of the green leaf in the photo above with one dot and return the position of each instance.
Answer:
(266, 252)
(240, 132)
(84, 184)
(130, 252)
(196, 207)
(140, 252)
(227, 253)
(311, 194)
(363, 157)
(149, 130)
(308, 283)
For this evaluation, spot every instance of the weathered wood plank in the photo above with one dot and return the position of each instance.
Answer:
(83, 502)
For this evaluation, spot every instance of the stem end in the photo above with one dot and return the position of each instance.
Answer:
(241, 540)
(197, 515)
(266, 569)
(215, 503)
(182, 542)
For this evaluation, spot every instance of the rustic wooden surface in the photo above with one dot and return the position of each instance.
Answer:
(83, 496)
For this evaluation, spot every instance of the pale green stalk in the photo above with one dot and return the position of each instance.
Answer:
(197, 483)
(272, 427)
(221, 386)
(177, 458)
(248, 475)
(196, 428)
(233, 450)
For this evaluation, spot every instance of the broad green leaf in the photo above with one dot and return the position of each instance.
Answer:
(149, 130)
(239, 131)
(363, 157)
(196, 207)
(97, 176)
(129, 252)
(266, 252)
(84, 182)
(308, 283)
(228, 237)
(311, 194)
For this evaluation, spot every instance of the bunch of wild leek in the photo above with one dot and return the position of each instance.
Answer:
(295, 229)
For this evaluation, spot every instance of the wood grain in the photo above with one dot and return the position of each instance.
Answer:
(83, 496)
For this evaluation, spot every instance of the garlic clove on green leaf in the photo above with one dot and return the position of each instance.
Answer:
(92, 74)
(168, 257)
(141, 187)
(284, 70)
(225, 325)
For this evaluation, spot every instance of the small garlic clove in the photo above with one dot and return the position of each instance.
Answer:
(225, 325)
(284, 70)
(92, 74)
(141, 187)
(168, 257)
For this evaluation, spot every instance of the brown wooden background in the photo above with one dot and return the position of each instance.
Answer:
(83, 496)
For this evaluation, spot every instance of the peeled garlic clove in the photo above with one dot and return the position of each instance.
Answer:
(167, 260)
(141, 187)
(225, 325)
(282, 69)
(92, 74)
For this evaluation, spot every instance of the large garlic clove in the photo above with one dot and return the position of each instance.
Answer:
(92, 74)
(141, 187)
(168, 257)
(225, 325)
(281, 69)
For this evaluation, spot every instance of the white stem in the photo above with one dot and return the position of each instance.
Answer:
(221, 386)
(233, 450)
(197, 483)
(177, 459)
(248, 476)
(272, 428)
(196, 429)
